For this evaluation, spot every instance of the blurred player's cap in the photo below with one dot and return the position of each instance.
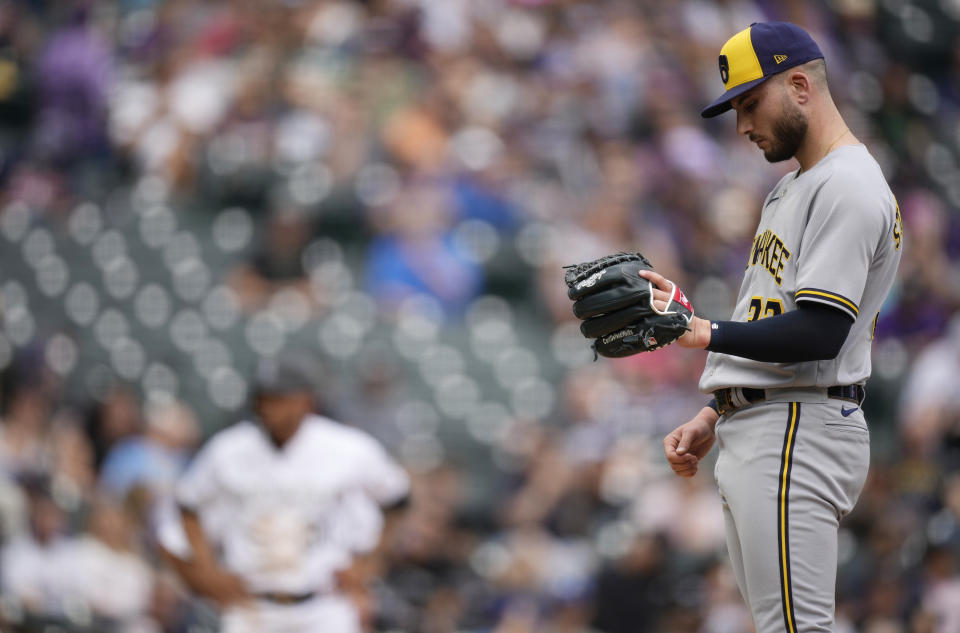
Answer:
(757, 53)
(286, 373)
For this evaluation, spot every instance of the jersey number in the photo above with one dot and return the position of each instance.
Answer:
(760, 308)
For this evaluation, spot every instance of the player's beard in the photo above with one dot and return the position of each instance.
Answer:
(788, 134)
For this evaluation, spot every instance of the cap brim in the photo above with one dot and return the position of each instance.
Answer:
(722, 104)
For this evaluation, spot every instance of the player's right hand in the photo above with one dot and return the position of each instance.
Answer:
(687, 444)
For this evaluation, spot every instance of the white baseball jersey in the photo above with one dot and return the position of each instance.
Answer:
(286, 518)
(829, 235)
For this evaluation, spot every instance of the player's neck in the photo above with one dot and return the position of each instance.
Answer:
(281, 437)
(822, 138)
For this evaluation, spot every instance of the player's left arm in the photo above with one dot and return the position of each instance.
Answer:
(354, 582)
(371, 516)
(811, 332)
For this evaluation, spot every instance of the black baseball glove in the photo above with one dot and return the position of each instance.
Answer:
(616, 305)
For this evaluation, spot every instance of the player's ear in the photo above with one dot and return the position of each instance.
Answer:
(798, 86)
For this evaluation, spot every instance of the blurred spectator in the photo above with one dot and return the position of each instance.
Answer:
(923, 305)
(74, 77)
(106, 573)
(633, 590)
(664, 504)
(18, 38)
(13, 508)
(24, 446)
(278, 262)
(941, 591)
(155, 459)
(373, 401)
(36, 568)
(116, 417)
(724, 611)
(416, 254)
(71, 467)
(930, 404)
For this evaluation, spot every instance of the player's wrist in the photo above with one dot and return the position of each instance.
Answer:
(709, 415)
(699, 335)
(705, 333)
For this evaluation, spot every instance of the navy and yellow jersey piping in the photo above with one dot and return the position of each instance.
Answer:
(836, 300)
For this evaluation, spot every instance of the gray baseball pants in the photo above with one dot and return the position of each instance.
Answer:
(788, 472)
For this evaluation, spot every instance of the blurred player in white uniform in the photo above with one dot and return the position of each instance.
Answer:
(275, 510)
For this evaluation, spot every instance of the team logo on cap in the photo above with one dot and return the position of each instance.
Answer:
(779, 58)
(724, 69)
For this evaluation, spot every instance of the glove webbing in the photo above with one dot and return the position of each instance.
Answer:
(579, 272)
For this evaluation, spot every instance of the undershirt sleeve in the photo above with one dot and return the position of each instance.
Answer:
(813, 331)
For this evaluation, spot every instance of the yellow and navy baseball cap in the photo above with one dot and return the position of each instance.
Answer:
(757, 53)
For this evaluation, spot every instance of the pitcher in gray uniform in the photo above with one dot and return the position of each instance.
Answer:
(787, 372)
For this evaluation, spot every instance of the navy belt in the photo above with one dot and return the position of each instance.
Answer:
(733, 398)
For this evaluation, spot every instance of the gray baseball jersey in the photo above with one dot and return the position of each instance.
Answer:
(830, 235)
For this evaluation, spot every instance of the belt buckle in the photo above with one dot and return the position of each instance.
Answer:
(731, 399)
(724, 400)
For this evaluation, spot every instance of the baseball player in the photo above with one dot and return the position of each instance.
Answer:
(787, 373)
(274, 510)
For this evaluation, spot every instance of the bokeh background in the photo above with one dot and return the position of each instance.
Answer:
(188, 186)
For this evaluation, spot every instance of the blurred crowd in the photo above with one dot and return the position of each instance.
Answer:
(395, 185)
